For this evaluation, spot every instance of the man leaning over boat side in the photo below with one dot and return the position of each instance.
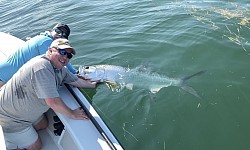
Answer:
(34, 90)
(35, 46)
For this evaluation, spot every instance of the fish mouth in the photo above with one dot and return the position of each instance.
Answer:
(93, 73)
(88, 72)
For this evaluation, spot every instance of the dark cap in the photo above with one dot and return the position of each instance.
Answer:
(65, 28)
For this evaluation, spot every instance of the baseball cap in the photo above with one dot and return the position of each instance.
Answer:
(62, 44)
(65, 28)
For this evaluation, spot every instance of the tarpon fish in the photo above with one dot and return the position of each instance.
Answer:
(118, 77)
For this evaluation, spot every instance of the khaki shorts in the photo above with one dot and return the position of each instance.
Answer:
(22, 139)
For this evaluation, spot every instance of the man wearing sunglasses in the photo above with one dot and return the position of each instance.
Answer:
(35, 46)
(35, 90)
(60, 30)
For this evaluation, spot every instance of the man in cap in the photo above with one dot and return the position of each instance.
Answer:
(35, 46)
(62, 29)
(34, 90)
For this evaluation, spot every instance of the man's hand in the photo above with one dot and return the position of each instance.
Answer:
(84, 83)
(79, 114)
(58, 106)
(81, 77)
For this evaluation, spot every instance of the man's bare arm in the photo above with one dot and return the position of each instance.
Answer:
(59, 106)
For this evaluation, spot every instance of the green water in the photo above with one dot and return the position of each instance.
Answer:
(173, 38)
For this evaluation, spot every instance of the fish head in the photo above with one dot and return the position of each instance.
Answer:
(89, 69)
(91, 73)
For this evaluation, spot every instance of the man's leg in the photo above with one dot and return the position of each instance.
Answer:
(37, 145)
(41, 123)
(25, 139)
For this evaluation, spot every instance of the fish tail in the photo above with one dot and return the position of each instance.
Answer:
(188, 88)
(191, 76)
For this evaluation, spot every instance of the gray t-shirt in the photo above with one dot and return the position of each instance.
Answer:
(22, 99)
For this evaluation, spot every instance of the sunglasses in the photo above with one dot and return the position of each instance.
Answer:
(58, 31)
(64, 52)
